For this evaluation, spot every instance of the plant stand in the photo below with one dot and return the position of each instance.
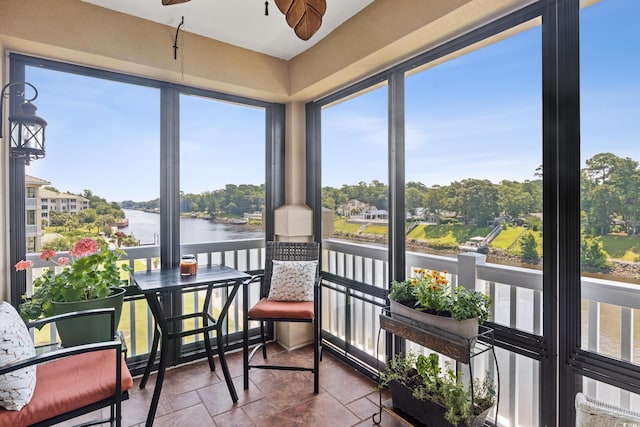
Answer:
(461, 349)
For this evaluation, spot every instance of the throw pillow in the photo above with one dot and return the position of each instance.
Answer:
(16, 388)
(293, 280)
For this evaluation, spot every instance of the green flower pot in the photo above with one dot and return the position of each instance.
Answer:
(90, 329)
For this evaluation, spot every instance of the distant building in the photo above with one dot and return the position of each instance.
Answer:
(33, 212)
(39, 203)
(256, 215)
(63, 202)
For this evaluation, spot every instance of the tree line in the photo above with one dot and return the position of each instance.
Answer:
(472, 200)
(231, 201)
(610, 196)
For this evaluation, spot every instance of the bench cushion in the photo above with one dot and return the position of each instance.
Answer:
(68, 384)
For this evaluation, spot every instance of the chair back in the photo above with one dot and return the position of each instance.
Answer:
(287, 251)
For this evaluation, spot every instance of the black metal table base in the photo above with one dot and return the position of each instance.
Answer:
(168, 328)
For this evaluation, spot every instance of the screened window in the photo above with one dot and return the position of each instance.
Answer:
(222, 170)
(610, 187)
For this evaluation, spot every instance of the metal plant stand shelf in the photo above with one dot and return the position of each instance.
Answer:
(458, 348)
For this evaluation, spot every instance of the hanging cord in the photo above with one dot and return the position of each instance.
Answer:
(182, 55)
(175, 40)
(266, 8)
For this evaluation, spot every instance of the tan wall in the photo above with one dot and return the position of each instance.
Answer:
(73, 31)
(295, 167)
(382, 35)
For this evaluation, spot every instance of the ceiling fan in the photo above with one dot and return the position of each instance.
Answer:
(304, 16)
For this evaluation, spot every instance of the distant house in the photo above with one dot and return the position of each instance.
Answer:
(370, 215)
(431, 218)
(375, 214)
(352, 207)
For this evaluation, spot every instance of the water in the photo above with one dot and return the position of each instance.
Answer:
(145, 227)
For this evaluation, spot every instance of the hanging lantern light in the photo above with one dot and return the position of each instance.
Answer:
(26, 129)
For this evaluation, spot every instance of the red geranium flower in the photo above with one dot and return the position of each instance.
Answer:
(23, 265)
(84, 247)
(47, 255)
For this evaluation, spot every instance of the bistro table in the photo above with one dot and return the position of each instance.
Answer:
(161, 284)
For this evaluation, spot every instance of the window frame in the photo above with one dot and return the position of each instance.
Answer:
(560, 141)
(169, 150)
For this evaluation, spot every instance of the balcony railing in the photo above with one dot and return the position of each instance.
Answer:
(30, 203)
(355, 281)
(355, 274)
(137, 322)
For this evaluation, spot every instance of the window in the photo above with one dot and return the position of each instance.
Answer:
(31, 217)
(108, 124)
(465, 146)
(222, 170)
(610, 187)
(355, 193)
(473, 162)
(121, 156)
(356, 129)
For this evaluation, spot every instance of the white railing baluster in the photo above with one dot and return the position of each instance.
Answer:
(593, 336)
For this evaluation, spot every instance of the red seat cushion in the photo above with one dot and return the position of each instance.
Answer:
(67, 384)
(268, 309)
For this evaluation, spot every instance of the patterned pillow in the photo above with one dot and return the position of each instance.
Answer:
(293, 280)
(16, 388)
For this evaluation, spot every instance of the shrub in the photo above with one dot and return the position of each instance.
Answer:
(528, 248)
(592, 254)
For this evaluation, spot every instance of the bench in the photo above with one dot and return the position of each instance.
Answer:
(74, 381)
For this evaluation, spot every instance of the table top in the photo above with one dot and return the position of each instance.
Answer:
(166, 280)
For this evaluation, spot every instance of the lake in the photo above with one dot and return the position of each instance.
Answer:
(145, 227)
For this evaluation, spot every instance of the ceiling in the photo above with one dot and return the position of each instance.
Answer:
(238, 22)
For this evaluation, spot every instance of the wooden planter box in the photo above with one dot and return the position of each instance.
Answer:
(463, 328)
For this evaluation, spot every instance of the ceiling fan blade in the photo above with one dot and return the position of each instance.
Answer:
(304, 16)
(170, 2)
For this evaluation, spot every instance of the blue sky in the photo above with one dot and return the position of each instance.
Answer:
(476, 116)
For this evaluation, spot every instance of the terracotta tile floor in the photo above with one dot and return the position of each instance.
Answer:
(193, 396)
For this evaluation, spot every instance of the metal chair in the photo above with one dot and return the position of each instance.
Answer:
(266, 310)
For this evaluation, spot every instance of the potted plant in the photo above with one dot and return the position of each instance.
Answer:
(428, 298)
(434, 396)
(88, 278)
